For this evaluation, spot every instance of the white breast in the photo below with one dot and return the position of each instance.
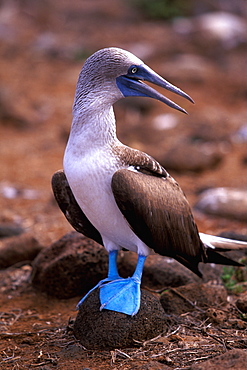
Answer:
(90, 177)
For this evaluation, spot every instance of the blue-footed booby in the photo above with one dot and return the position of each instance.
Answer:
(121, 197)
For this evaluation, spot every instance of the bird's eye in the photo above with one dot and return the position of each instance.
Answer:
(133, 69)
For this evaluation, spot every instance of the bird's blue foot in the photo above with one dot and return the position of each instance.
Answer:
(118, 294)
(122, 295)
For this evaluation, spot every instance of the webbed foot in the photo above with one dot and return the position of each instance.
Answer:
(121, 295)
(100, 283)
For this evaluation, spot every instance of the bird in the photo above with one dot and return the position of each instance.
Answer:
(121, 197)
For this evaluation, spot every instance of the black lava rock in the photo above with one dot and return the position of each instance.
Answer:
(70, 267)
(107, 329)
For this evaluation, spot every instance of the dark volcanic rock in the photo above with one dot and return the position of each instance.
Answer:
(18, 248)
(191, 156)
(106, 329)
(241, 303)
(177, 301)
(159, 272)
(236, 359)
(70, 267)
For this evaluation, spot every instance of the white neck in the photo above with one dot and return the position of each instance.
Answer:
(92, 129)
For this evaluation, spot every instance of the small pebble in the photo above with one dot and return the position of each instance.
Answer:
(191, 156)
(224, 202)
(7, 230)
(19, 248)
(241, 303)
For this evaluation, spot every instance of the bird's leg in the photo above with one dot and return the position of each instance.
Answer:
(139, 268)
(112, 274)
(123, 295)
(112, 267)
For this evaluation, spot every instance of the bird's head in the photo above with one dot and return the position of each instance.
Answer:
(111, 74)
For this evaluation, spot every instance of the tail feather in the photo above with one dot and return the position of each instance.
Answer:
(222, 244)
(219, 259)
(214, 244)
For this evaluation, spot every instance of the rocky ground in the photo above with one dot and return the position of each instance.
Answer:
(43, 45)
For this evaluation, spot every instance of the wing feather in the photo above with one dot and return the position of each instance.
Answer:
(70, 208)
(159, 214)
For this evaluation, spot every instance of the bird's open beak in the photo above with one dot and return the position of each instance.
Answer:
(132, 84)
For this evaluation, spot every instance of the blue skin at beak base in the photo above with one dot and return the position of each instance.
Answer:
(131, 85)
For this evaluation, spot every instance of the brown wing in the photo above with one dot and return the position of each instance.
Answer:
(159, 214)
(69, 206)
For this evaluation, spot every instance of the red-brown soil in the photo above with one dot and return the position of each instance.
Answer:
(37, 88)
